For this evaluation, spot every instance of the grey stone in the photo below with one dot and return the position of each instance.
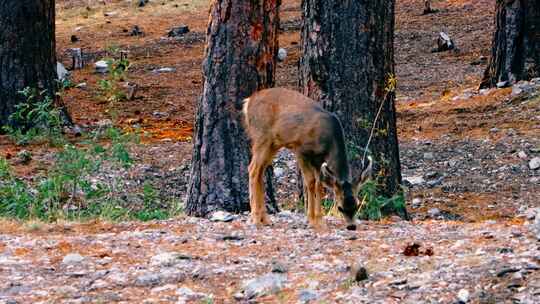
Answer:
(72, 258)
(165, 259)
(435, 182)
(536, 226)
(178, 31)
(61, 72)
(307, 295)
(463, 295)
(523, 87)
(279, 267)
(444, 43)
(359, 272)
(104, 123)
(429, 155)
(434, 212)
(189, 294)
(279, 172)
(148, 279)
(282, 54)
(264, 285)
(534, 163)
(522, 155)
(416, 203)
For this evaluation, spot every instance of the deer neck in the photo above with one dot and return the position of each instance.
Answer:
(338, 162)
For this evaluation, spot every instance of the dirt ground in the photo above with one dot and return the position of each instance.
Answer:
(464, 144)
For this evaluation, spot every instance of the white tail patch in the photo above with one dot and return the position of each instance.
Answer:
(245, 111)
(245, 106)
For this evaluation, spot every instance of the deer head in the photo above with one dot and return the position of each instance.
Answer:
(280, 118)
(346, 192)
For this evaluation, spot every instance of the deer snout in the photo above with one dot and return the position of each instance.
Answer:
(349, 214)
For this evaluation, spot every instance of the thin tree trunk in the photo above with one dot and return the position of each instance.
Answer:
(515, 53)
(27, 51)
(348, 57)
(240, 59)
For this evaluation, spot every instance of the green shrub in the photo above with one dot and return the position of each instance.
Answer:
(37, 119)
(373, 204)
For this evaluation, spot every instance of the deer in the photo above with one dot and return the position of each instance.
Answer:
(279, 118)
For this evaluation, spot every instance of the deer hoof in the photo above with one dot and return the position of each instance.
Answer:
(260, 221)
(319, 225)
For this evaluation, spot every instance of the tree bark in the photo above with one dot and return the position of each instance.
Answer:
(240, 59)
(27, 51)
(348, 56)
(515, 50)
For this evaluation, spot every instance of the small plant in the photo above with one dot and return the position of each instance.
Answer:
(35, 120)
(110, 87)
(373, 203)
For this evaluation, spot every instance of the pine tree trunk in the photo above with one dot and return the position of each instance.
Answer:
(239, 60)
(27, 51)
(515, 53)
(348, 55)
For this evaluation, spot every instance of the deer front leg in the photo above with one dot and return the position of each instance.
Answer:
(319, 192)
(314, 208)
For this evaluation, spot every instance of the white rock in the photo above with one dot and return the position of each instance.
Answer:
(282, 54)
(221, 216)
(536, 226)
(502, 84)
(61, 71)
(102, 66)
(522, 155)
(266, 284)
(415, 180)
(164, 70)
(189, 294)
(165, 259)
(278, 172)
(534, 163)
(73, 258)
(433, 212)
(463, 295)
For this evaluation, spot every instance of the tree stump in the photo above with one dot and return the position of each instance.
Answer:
(77, 61)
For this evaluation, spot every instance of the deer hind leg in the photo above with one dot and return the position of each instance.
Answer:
(261, 157)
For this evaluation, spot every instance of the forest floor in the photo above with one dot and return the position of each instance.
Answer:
(465, 157)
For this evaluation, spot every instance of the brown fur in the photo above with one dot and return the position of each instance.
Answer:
(277, 118)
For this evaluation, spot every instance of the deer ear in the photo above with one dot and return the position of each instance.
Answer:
(363, 177)
(327, 175)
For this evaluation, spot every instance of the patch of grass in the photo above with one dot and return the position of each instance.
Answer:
(83, 184)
